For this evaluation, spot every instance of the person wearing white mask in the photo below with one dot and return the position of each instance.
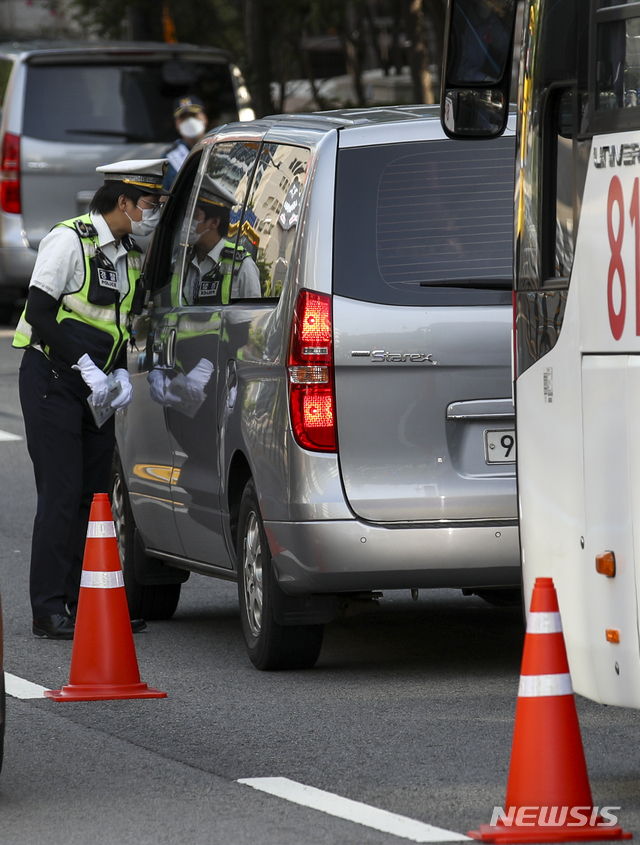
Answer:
(191, 124)
(218, 269)
(84, 290)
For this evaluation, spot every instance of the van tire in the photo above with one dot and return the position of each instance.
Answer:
(270, 646)
(146, 601)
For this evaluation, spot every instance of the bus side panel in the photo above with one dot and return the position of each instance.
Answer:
(611, 398)
(578, 455)
(550, 490)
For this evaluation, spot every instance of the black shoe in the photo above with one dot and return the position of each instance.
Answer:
(59, 626)
(138, 625)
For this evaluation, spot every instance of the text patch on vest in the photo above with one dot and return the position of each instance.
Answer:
(208, 287)
(107, 278)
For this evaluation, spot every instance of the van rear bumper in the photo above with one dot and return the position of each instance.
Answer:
(353, 556)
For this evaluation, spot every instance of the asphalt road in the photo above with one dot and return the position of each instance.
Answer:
(409, 709)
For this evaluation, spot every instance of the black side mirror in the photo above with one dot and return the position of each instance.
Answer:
(477, 67)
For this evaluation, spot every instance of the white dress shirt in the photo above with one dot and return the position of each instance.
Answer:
(60, 264)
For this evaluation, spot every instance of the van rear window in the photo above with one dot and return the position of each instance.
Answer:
(414, 219)
(121, 103)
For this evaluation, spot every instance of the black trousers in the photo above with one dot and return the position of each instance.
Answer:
(71, 460)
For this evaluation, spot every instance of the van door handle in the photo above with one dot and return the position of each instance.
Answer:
(170, 349)
(164, 348)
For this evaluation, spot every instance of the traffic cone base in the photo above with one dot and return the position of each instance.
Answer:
(501, 833)
(103, 692)
(104, 665)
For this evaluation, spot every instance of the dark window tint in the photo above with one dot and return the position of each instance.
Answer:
(413, 220)
(111, 103)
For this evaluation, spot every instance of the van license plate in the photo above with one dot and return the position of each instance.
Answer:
(500, 446)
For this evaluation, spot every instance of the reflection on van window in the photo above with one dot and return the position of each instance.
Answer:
(270, 220)
(118, 103)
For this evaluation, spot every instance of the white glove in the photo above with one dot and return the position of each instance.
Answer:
(156, 386)
(126, 394)
(94, 378)
(198, 379)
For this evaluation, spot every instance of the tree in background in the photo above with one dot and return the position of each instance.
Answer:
(266, 37)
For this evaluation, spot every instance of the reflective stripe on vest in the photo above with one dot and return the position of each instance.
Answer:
(92, 313)
(76, 306)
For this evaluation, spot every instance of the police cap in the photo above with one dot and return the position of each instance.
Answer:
(145, 174)
(187, 105)
(213, 193)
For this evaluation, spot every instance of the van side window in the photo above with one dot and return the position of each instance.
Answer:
(209, 276)
(270, 219)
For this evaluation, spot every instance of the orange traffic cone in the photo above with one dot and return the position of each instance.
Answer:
(548, 793)
(103, 659)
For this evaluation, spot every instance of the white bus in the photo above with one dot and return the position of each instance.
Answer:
(576, 303)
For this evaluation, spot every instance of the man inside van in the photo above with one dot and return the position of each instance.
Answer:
(209, 278)
(191, 124)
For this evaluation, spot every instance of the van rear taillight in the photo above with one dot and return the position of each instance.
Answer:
(310, 368)
(10, 167)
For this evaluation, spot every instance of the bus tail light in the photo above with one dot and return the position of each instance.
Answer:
(606, 564)
(10, 167)
(310, 370)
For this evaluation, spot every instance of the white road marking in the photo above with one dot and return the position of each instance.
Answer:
(353, 811)
(306, 796)
(19, 688)
(4, 435)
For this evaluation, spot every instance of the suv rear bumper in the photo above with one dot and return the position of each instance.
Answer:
(353, 556)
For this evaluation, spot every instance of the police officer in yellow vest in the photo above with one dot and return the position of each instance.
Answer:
(74, 330)
(208, 278)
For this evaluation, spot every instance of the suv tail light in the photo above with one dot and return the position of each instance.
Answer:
(10, 167)
(310, 368)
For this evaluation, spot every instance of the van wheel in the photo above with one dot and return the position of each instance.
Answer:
(146, 601)
(269, 645)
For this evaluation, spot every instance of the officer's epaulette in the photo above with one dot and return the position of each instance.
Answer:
(85, 230)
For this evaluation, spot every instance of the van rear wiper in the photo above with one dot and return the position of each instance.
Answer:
(109, 133)
(482, 284)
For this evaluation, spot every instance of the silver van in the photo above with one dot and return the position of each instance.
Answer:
(69, 107)
(347, 427)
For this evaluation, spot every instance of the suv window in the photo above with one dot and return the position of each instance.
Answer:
(411, 219)
(227, 166)
(270, 219)
(119, 103)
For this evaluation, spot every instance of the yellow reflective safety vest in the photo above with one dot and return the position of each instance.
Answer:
(95, 315)
(214, 287)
